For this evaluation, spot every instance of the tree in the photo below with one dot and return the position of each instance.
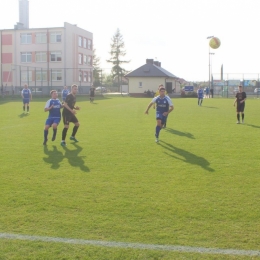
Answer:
(117, 51)
(96, 70)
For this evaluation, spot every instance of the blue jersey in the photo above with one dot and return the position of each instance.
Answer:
(55, 111)
(64, 93)
(200, 93)
(162, 104)
(26, 93)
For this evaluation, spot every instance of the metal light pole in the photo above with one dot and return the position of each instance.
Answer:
(209, 37)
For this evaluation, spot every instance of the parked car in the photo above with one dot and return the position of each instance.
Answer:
(257, 90)
(101, 89)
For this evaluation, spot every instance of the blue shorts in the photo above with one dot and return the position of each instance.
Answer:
(26, 100)
(51, 121)
(162, 117)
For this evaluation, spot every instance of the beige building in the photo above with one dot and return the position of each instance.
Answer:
(46, 58)
(149, 76)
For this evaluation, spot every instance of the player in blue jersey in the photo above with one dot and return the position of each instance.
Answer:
(164, 106)
(64, 93)
(53, 105)
(200, 95)
(27, 96)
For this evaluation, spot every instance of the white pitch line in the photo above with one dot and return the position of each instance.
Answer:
(185, 249)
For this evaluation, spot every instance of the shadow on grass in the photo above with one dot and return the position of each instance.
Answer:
(23, 115)
(209, 107)
(55, 157)
(255, 126)
(176, 132)
(74, 159)
(186, 156)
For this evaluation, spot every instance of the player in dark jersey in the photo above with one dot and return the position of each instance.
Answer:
(240, 100)
(68, 115)
(92, 94)
(164, 106)
(27, 96)
(53, 105)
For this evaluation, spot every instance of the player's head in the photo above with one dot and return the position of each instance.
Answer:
(74, 89)
(25, 86)
(54, 94)
(160, 86)
(162, 91)
(240, 88)
(65, 87)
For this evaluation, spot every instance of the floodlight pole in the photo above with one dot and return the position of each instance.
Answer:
(209, 37)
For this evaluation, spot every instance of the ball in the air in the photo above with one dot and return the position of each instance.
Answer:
(214, 42)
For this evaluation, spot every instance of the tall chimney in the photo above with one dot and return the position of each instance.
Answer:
(24, 13)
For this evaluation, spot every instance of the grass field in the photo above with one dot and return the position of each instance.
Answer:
(199, 187)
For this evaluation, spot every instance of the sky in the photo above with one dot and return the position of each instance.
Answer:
(173, 32)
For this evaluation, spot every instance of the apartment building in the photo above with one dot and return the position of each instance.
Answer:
(46, 58)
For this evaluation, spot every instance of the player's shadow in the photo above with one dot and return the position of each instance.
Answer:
(54, 158)
(255, 126)
(176, 132)
(209, 107)
(74, 159)
(186, 156)
(23, 115)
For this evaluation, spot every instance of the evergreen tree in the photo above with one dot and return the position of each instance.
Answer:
(96, 70)
(117, 51)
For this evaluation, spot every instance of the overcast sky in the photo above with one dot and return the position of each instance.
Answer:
(172, 31)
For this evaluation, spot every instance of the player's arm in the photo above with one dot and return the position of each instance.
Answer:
(235, 101)
(151, 103)
(47, 106)
(22, 94)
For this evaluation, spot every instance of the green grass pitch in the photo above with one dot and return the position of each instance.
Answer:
(198, 187)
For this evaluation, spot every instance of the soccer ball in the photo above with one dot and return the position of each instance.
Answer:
(214, 43)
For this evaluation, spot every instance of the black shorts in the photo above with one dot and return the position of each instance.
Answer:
(69, 118)
(241, 107)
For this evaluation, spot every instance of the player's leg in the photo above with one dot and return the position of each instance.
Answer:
(158, 127)
(23, 105)
(201, 100)
(242, 112)
(238, 117)
(46, 131)
(54, 127)
(65, 129)
(28, 108)
(75, 129)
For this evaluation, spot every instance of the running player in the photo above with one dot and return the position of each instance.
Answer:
(200, 96)
(53, 105)
(92, 94)
(27, 96)
(240, 100)
(164, 106)
(68, 115)
(64, 93)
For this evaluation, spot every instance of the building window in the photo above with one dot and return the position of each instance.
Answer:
(89, 46)
(40, 57)
(85, 43)
(140, 84)
(26, 57)
(80, 58)
(89, 77)
(41, 75)
(56, 75)
(41, 38)
(89, 60)
(80, 76)
(80, 41)
(85, 59)
(56, 56)
(55, 37)
(26, 38)
(26, 75)
(85, 76)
